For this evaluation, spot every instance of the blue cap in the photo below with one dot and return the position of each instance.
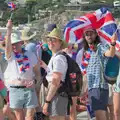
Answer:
(51, 27)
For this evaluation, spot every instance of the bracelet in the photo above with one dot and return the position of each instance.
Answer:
(113, 44)
(47, 101)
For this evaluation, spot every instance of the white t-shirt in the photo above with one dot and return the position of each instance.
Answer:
(79, 57)
(58, 63)
(12, 71)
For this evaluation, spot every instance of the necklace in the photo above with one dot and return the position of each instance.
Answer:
(23, 61)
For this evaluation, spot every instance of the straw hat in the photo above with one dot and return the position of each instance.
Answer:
(15, 38)
(27, 34)
(58, 34)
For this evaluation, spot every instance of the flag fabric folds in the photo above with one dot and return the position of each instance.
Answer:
(11, 5)
(101, 20)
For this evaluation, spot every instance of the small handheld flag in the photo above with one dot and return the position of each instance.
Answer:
(12, 6)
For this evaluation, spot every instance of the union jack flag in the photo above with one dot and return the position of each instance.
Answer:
(11, 5)
(101, 20)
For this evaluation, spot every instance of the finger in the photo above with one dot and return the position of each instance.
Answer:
(45, 112)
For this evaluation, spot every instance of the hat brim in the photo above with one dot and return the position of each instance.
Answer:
(49, 36)
(16, 42)
(26, 38)
(64, 43)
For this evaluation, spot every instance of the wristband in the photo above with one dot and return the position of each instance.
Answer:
(113, 44)
(47, 101)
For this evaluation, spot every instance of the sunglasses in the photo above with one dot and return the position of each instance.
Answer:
(48, 39)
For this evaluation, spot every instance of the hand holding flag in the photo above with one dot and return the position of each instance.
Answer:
(9, 24)
(114, 37)
(12, 6)
(102, 20)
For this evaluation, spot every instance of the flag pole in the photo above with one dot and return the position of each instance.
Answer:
(11, 15)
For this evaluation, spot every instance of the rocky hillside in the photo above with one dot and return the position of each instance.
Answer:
(59, 19)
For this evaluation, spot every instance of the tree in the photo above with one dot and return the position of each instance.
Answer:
(20, 16)
(3, 5)
(30, 8)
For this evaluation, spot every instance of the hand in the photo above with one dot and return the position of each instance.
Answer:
(9, 24)
(29, 84)
(43, 64)
(114, 37)
(45, 109)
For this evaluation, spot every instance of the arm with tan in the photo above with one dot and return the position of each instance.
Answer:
(8, 46)
(36, 70)
(54, 85)
(111, 51)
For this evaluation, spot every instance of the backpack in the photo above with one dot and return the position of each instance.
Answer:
(112, 70)
(73, 80)
(46, 58)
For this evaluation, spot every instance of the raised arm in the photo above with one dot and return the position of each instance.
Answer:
(8, 48)
(111, 51)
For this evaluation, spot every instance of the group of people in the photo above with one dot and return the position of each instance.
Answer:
(22, 77)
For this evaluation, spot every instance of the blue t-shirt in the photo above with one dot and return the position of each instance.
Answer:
(31, 47)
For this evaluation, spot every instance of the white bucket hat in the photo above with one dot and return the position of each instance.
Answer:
(15, 38)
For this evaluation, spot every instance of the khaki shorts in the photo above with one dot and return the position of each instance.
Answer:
(58, 106)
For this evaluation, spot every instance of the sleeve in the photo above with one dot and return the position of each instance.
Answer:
(79, 57)
(60, 64)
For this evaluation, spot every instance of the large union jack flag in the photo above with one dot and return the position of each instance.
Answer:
(11, 5)
(102, 20)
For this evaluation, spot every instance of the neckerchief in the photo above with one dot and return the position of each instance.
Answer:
(23, 61)
(86, 58)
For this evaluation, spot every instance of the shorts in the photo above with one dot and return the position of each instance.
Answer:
(58, 106)
(110, 100)
(98, 98)
(22, 98)
(3, 92)
(116, 87)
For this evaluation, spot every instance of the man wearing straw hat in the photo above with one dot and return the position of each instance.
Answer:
(27, 37)
(56, 104)
(22, 65)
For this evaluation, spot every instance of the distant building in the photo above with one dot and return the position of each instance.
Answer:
(79, 1)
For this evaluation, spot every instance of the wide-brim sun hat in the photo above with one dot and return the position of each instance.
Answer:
(27, 34)
(58, 34)
(15, 38)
